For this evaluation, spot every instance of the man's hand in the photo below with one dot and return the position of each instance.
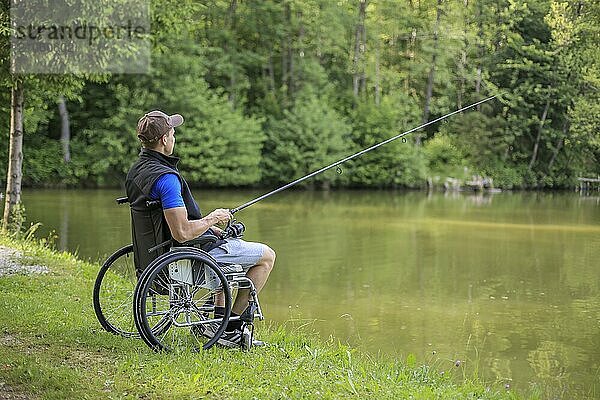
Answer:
(183, 230)
(221, 215)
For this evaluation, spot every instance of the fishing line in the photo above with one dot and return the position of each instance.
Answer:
(350, 157)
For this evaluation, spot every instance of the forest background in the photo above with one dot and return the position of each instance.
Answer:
(272, 90)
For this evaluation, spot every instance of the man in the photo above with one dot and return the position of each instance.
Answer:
(154, 176)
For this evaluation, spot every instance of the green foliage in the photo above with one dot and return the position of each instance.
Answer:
(43, 168)
(308, 137)
(102, 152)
(397, 164)
(539, 67)
(506, 177)
(443, 157)
(218, 144)
(16, 220)
(264, 85)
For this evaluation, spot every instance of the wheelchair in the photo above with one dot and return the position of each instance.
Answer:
(171, 304)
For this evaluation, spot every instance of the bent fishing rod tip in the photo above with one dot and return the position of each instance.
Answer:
(359, 153)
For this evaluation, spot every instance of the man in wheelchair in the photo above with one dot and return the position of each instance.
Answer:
(154, 176)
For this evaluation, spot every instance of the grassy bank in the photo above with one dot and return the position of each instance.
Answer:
(52, 347)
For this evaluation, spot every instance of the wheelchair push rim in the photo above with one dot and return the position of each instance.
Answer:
(178, 291)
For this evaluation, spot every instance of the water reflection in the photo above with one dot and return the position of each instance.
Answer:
(63, 236)
(507, 283)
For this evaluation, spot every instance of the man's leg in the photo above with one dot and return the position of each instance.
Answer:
(261, 259)
(240, 252)
(258, 274)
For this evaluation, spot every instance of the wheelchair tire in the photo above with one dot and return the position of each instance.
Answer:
(177, 291)
(113, 293)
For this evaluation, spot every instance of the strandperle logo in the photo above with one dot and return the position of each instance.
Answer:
(79, 36)
(84, 31)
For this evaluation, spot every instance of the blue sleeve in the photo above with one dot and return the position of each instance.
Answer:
(167, 189)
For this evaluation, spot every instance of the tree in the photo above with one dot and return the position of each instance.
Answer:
(431, 75)
(17, 75)
(397, 164)
(308, 137)
(65, 130)
(360, 44)
(14, 175)
(576, 32)
(244, 72)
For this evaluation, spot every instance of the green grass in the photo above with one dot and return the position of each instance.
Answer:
(51, 346)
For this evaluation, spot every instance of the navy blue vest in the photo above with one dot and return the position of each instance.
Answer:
(144, 173)
(148, 224)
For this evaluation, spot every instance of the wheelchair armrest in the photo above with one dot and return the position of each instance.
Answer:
(201, 240)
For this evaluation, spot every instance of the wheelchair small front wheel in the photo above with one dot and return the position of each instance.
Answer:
(179, 291)
(113, 293)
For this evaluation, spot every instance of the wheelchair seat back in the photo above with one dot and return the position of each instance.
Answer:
(148, 229)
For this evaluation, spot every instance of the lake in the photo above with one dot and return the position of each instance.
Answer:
(506, 284)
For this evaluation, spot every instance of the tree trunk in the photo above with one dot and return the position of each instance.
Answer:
(377, 78)
(271, 72)
(284, 67)
(559, 146)
(463, 60)
(411, 49)
(429, 91)
(359, 49)
(290, 52)
(536, 145)
(15, 158)
(232, 52)
(301, 33)
(479, 52)
(431, 77)
(461, 88)
(65, 130)
(363, 74)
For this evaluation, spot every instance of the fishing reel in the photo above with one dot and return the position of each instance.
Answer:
(234, 229)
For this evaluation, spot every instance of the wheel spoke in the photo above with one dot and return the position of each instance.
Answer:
(179, 311)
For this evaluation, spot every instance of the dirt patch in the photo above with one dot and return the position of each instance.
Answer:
(9, 340)
(11, 393)
(11, 263)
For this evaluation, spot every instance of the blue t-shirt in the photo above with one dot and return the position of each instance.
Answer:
(167, 189)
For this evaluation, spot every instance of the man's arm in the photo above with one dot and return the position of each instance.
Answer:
(168, 189)
(183, 230)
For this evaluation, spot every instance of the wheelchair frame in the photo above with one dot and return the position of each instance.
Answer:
(170, 303)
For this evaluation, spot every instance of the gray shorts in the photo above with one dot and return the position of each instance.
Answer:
(238, 251)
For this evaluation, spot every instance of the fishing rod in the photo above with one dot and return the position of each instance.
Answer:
(350, 157)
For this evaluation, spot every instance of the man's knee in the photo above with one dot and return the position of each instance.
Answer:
(269, 256)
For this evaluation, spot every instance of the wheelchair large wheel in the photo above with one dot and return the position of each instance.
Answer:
(113, 293)
(185, 284)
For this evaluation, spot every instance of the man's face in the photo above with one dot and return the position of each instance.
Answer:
(170, 141)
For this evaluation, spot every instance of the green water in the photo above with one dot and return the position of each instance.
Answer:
(509, 284)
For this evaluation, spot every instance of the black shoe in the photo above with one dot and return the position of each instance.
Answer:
(235, 338)
(227, 339)
(231, 339)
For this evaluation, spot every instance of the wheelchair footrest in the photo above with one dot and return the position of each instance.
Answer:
(248, 315)
(247, 336)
